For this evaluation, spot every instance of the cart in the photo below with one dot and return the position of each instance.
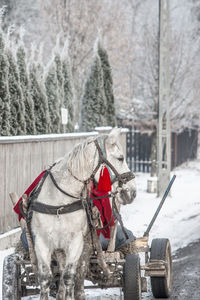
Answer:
(126, 270)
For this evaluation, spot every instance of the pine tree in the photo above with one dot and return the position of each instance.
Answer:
(68, 101)
(28, 102)
(4, 91)
(60, 78)
(39, 98)
(51, 85)
(108, 86)
(60, 88)
(93, 111)
(17, 109)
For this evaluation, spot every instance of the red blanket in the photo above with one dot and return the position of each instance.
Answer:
(103, 205)
(27, 192)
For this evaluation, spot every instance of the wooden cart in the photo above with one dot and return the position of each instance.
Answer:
(126, 272)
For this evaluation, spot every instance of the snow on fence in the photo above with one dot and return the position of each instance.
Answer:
(22, 158)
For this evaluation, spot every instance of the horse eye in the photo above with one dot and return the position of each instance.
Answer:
(121, 158)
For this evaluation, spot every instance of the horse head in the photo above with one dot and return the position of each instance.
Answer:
(121, 176)
(87, 159)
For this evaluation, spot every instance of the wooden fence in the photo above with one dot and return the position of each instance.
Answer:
(23, 158)
(138, 150)
(183, 147)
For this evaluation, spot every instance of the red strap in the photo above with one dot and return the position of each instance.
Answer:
(27, 192)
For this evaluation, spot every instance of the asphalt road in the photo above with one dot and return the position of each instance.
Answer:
(186, 273)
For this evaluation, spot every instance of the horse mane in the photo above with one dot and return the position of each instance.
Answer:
(77, 160)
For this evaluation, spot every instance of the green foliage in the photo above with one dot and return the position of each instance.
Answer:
(51, 85)
(68, 100)
(41, 110)
(28, 102)
(108, 86)
(17, 109)
(4, 92)
(93, 111)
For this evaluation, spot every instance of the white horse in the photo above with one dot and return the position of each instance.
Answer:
(63, 235)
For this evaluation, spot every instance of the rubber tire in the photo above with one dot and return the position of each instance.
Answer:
(10, 280)
(132, 277)
(161, 250)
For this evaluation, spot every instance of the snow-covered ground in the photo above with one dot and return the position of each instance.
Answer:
(178, 220)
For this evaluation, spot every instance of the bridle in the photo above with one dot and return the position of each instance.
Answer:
(121, 178)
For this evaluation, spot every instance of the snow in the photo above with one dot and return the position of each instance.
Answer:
(47, 137)
(8, 233)
(178, 220)
(30, 138)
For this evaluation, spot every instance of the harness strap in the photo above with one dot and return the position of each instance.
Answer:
(59, 188)
(60, 209)
(56, 210)
(119, 218)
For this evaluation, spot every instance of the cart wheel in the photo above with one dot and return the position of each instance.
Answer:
(162, 286)
(132, 278)
(10, 281)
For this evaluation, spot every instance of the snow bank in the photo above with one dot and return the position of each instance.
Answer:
(179, 218)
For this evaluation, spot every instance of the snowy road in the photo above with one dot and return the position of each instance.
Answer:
(179, 221)
(187, 273)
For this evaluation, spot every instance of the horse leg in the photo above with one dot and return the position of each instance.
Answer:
(73, 254)
(44, 268)
(79, 293)
(61, 261)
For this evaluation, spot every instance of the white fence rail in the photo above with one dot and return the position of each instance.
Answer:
(23, 158)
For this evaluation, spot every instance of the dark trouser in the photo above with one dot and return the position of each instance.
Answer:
(120, 239)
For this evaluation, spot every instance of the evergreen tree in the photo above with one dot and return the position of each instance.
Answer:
(68, 101)
(39, 98)
(60, 78)
(60, 88)
(17, 109)
(108, 86)
(28, 102)
(51, 85)
(93, 111)
(4, 91)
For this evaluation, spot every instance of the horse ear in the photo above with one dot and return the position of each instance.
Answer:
(114, 135)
